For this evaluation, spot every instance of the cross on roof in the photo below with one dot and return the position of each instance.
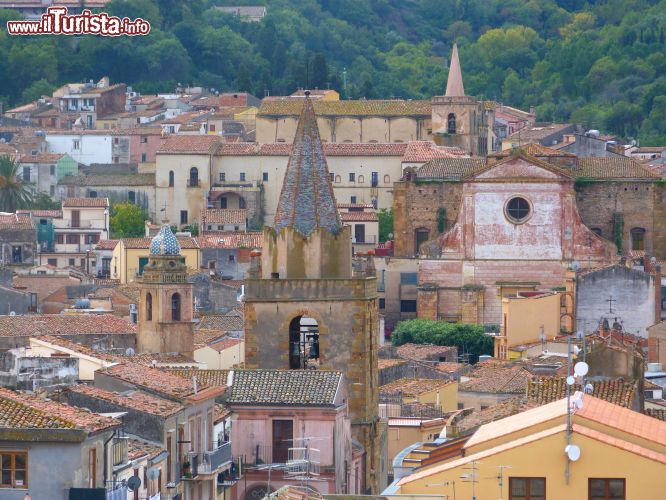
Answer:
(610, 301)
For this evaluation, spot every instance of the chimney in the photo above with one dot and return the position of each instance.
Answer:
(657, 293)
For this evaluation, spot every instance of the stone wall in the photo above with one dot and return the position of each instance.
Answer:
(31, 373)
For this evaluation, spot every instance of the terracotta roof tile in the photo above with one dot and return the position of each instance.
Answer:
(221, 322)
(153, 379)
(423, 151)
(545, 390)
(450, 367)
(42, 213)
(189, 144)
(658, 413)
(144, 243)
(413, 386)
(109, 180)
(389, 363)
(292, 107)
(284, 387)
(203, 337)
(86, 202)
(537, 131)
(534, 149)
(221, 412)
(621, 443)
(60, 324)
(613, 167)
(22, 411)
(21, 221)
(139, 449)
(106, 245)
(231, 240)
(358, 216)
(449, 168)
(497, 411)
(51, 158)
(223, 216)
(495, 377)
(423, 352)
(225, 343)
(135, 400)
(210, 378)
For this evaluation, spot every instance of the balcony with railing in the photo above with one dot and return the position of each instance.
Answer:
(206, 463)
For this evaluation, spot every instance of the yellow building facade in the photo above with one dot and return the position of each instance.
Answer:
(620, 451)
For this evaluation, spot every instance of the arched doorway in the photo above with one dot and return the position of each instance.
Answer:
(304, 351)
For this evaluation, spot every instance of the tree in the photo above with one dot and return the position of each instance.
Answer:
(319, 72)
(14, 191)
(467, 338)
(43, 201)
(36, 90)
(127, 220)
(385, 217)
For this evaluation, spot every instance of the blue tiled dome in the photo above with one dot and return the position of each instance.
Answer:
(164, 243)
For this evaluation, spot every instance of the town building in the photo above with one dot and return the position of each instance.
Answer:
(83, 103)
(302, 287)
(600, 450)
(37, 433)
(70, 239)
(44, 171)
(295, 422)
(227, 255)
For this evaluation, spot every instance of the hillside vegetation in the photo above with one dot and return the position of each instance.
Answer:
(598, 62)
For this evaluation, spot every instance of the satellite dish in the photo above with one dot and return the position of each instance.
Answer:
(12, 313)
(578, 403)
(575, 265)
(129, 351)
(133, 483)
(573, 452)
(580, 334)
(589, 388)
(571, 380)
(576, 350)
(154, 363)
(153, 473)
(581, 368)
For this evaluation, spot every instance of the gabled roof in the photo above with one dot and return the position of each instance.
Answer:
(284, 387)
(493, 376)
(48, 158)
(413, 386)
(221, 322)
(423, 351)
(16, 221)
(230, 240)
(189, 144)
(614, 167)
(61, 324)
(423, 151)
(306, 200)
(519, 153)
(25, 411)
(449, 168)
(223, 216)
(86, 202)
(135, 400)
(359, 216)
(210, 378)
(548, 389)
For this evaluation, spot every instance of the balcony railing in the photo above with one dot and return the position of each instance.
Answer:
(119, 452)
(82, 224)
(210, 462)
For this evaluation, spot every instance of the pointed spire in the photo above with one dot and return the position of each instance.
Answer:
(454, 85)
(307, 200)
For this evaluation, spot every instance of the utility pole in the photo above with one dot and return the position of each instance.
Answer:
(344, 81)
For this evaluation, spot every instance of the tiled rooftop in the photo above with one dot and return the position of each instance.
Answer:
(78, 348)
(613, 167)
(284, 387)
(203, 337)
(389, 363)
(292, 107)
(189, 144)
(536, 132)
(153, 379)
(496, 377)
(330, 149)
(100, 180)
(24, 411)
(225, 343)
(42, 213)
(306, 200)
(86, 202)
(106, 245)
(413, 386)
(450, 367)
(425, 351)
(20, 221)
(231, 240)
(144, 243)
(423, 151)
(358, 216)
(58, 324)
(135, 400)
(221, 322)
(51, 158)
(223, 216)
(494, 412)
(139, 449)
(547, 389)
(534, 149)
(449, 168)
(211, 378)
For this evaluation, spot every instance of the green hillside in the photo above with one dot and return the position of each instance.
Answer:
(598, 62)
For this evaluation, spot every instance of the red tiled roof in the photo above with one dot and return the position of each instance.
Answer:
(424, 351)
(355, 205)
(144, 243)
(16, 221)
(24, 411)
(495, 377)
(86, 202)
(106, 245)
(423, 151)
(42, 213)
(544, 390)
(138, 449)
(224, 344)
(60, 324)
(231, 240)
(153, 379)
(358, 216)
(413, 386)
(41, 158)
(189, 144)
(223, 216)
(135, 400)
(330, 149)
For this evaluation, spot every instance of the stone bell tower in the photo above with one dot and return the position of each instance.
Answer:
(165, 302)
(457, 119)
(307, 305)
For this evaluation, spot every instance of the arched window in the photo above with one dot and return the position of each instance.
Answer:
(638, 238)
(170, 178)
(387, 179)
(175, 307)
(194, 177)
(303, 343)
(149, 307)
(451, 124)
(338, 179)
(421, 236)
(361, 179)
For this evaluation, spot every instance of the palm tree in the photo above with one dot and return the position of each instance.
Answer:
(14, 191)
